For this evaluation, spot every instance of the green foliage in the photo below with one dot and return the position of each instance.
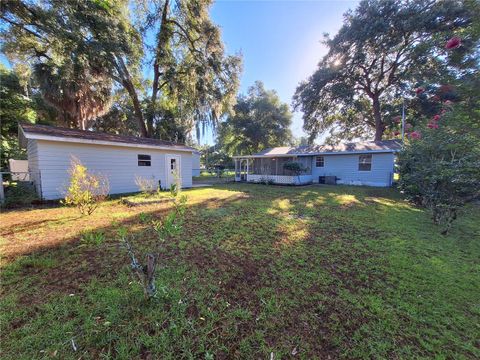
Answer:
(294, 167)
(19, 194)
(382, 51)
(15, 107)
(80, 49)
(172, 223)
(441, 171)
(85, 190)
(145, 218)
(260, 121)
(92, 238)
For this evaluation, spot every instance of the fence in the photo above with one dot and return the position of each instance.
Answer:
(213, 176)
(9, 179)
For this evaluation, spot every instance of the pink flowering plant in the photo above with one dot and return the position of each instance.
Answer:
(440, 169)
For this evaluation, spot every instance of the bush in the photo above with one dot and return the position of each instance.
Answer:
(19, 194)
(147, 187)
(86, 190)
(295, 167)
(441, 172)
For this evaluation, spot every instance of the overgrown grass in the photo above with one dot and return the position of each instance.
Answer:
(306, 272)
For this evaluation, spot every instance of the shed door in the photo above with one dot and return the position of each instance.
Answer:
(173, 169)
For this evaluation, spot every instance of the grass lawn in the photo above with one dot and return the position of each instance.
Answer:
(297, 272)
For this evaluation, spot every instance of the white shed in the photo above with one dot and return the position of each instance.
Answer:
(120, 158)
(196, 163)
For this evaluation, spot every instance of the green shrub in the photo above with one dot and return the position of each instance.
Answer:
(19, 194)
(93, 238)
(85, 190)
(441, 171)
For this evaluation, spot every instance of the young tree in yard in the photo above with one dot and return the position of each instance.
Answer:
(85, 190)
(381, 51)
(95, 42)
(260, 121)
(165, 229)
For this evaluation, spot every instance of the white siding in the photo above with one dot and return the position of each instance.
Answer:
(345, 167)
(33, 165)
(118, 163)
(195, 164)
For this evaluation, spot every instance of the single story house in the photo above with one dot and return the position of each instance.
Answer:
(360, 163)
(122, 159)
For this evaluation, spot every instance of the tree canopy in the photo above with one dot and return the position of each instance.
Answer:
(382, 50)
(260, 121)
(166, 55)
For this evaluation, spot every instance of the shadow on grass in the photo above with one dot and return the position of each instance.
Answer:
(256, 270)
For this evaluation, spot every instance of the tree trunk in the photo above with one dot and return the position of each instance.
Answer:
(379, 126)
(128, 84)
(136, 107)
(162, 38)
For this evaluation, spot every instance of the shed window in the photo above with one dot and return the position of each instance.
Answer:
(320, 161)
(365, 163)
(144, 160)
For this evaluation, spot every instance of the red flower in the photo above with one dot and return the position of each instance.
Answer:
(396, 133)
(415, 135)
(436, 118)
(432, 125)
(453, 43)
(419, 90)
(448, 102)
(397, 119)
(444, 111)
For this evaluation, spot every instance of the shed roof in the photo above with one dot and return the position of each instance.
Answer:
(45, 132)
(384, 146)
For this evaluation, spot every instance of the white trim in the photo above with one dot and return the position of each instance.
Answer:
(317, 154)
(100, 142)
(168, 170)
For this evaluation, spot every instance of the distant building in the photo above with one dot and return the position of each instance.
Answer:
(361, 163)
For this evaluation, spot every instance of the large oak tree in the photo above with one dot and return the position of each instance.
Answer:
(161, 53)
(260, 121)
(383, 48)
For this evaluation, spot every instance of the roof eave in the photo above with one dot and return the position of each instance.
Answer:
(317, 153)
(33, 136)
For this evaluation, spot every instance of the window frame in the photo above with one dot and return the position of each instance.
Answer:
(323, 161)
(144, 160)
(368, 163)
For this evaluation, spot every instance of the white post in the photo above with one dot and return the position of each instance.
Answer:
(246, 175)
(2, 194)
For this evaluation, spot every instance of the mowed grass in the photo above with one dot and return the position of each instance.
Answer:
(257, 272)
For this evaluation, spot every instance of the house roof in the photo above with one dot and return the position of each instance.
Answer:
(348, 148)
(53, 133)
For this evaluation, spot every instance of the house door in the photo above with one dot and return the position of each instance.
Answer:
(172, 164)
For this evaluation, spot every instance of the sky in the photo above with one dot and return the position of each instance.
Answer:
(280, 41)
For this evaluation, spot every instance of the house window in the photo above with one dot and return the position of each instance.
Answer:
(365, 163)
(144, 160)
(320, 161)
(173, 164)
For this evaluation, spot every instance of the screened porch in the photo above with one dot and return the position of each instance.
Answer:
(261, 169)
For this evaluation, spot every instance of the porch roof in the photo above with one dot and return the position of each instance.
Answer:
(385, 146)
